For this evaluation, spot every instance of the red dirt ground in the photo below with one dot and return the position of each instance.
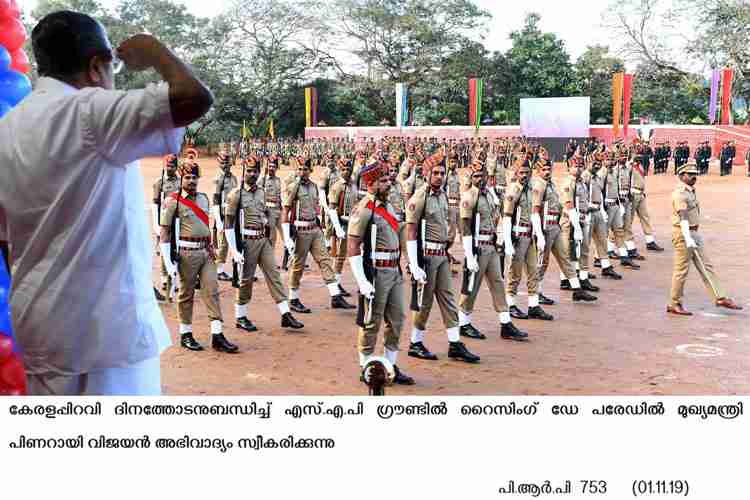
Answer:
(624, 344)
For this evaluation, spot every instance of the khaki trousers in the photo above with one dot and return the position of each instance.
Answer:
(341, 249)
(615, 226)
(554, 244)
(641, 210)
(570, 247)
(525, 257)
(598, 233)
(274, 223)
(223, 250)
(627, 222)
(489, 269)
(682, 257)
(260, 253)
(452, 224)
(439, 286)
(388, 306)
(310, 242)
(194, 264)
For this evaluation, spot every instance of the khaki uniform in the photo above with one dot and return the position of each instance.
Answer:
(597, 229)
(610, 192)
(389, 305)
(195, 258)
(302, 199)
(412, 185)
(638, 193)
(330, 176)
(497, 177)
(685, 199)
(517, 204)
(161, 191)
(258, 250)
(342, 198)
(477, 203)
(625, 177)
(574, 191)
(432, 209)
(271, 186)
(545, 196)
(223, 185)
(453, 190)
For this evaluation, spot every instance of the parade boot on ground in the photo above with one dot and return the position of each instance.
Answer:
(509, 331)
(298, 307)
(586, 285)
(583, 296)
(565, 285)
(458, 351)
(339, 302)
(545, 301)
(537, 312)
(654, 247)
(471, 332)
(343, 292)
(402, 378)
(289, 321)
(188, 342)
(517, 313)
(633, 254)
(418, 350)
(611, 274)
(222, 276)
(246, 324)
(626, 262)
(220, 343)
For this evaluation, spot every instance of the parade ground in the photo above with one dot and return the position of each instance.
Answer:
(624, 344)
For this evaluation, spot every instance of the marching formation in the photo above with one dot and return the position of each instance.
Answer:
(379, 204)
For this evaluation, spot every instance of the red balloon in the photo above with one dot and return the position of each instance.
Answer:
(6, 347)
(12, 373)
(12, 34)
(9, 8)
(20, 61)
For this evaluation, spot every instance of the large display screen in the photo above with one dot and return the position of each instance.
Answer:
(555, 117)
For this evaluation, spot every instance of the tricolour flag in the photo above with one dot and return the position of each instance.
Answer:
(476, 87)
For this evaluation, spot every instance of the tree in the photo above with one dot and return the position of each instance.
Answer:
(594, 70)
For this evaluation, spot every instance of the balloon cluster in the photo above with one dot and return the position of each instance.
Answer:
(14, 86)
(14, 64)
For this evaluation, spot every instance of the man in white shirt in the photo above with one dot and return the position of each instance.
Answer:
(72, 207)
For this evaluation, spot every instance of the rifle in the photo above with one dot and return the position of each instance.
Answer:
(365, 304)
(292, 229)
(159, 203)
(469, 277)
(239, 223)
(219, 200)
(174, 242)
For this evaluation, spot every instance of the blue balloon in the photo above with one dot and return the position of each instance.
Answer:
(14, 86)
(5, 59)
(4, 108)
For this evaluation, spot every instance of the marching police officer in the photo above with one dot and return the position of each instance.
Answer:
(224, 183)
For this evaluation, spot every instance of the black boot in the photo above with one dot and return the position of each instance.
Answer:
(188, 342)
(289, 321)
(246, 324)
(626, 262)
(612, 254)
(592, 276)
(586, 285)
(516, 313)
(418, 350)
(344, 292)
(537, 312)
(597, 263)
(222, 276)
(545, 301)
(564, 284)
(402, 378)
(457, 350)
(633, 254)
(611, 273)
(339, 302)
(220, 343)
(509, 331)
(471, 332)
(298, 307)
(583, 296)
(654, 247)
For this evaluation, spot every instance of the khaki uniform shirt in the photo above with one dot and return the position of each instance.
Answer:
(343, 197)
(386, 239)
(684, 198)
(624, 180)
(170, 185)
(190, 225)
(253, 207)
(574, 191)
(396, 199)
(305, 203)
(488, 212)
(453, 188)
(271, 186)
(639, 181)
(329, 178)
(433, 208)
(609, 183)
(517, 196)
(594, 186)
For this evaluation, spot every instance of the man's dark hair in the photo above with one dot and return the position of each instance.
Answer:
(65, 41)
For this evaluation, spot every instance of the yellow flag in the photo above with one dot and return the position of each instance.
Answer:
(270, 130)
(617, 83)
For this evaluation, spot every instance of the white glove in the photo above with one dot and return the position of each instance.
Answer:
(232, 243)
(416, 272)
(576, 222)
(167, 258)
(288, 241)
(507, 231)
(605, 217)
(334, 216)
(216, 212)
(622, 211)
(155, 218)
(689, 241)
(365, 287)
(536, 224)
(471, 261)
